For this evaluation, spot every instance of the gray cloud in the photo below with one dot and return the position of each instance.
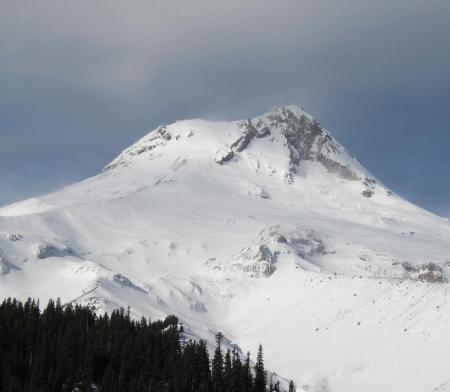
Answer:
(82, 79)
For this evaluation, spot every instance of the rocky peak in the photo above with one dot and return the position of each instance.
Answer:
(159, 136)
(305, 139)
(300, 135)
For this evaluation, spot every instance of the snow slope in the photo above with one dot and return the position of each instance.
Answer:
(266, 229)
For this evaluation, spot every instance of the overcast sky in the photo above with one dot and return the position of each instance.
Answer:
(82, 79)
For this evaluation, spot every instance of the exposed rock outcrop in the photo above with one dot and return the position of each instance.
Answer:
(159, 137)
(5, 266)
(44, 251)
(259, 263)
(225, 157)
(124, 282)
(249, 134)
(14, 237)
(426, 272)
(306, 140)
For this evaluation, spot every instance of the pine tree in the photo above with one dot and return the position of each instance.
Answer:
(260, 373)
(291, 386)
(276, 387)
(227, 372)
(271, 384)
(217, 366)
(247, 378)
(203, 367)
(237, 379)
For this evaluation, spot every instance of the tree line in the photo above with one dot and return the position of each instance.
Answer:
(72, 349)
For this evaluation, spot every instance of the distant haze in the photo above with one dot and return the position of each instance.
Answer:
(81, 80)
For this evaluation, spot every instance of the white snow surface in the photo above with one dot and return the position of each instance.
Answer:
(266, 229)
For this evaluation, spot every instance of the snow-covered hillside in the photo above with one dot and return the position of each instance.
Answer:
(266, 229)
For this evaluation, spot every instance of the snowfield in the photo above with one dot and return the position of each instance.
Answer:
(266, 229)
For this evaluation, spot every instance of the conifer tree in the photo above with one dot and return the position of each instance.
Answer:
(247, 382)
(237, 378)
(271, 384)
(227, 372)
(217, 366)
(276, 387)
(291, 386)
(203, 367)
(260, 373)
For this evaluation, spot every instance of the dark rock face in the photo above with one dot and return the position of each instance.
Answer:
(306, 141)
(263, 264)
(161, 133)
(281, 239)
(44, 251)
(301, 135)
(308, 244)
(159, 137)
(367, 193)
(369, 184)
(164, 134)
(426, 272)
(431, 272)
(15, 237)
(249, 134)
(225, 158)
(123, 281)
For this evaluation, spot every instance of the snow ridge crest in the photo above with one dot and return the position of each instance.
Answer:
(301, 134)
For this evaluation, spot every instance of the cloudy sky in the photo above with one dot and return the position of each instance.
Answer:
(82, 79)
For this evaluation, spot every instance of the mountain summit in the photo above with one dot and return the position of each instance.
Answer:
(282, 138)
(266, 229)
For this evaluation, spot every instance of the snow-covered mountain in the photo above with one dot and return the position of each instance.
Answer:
(266, 229)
